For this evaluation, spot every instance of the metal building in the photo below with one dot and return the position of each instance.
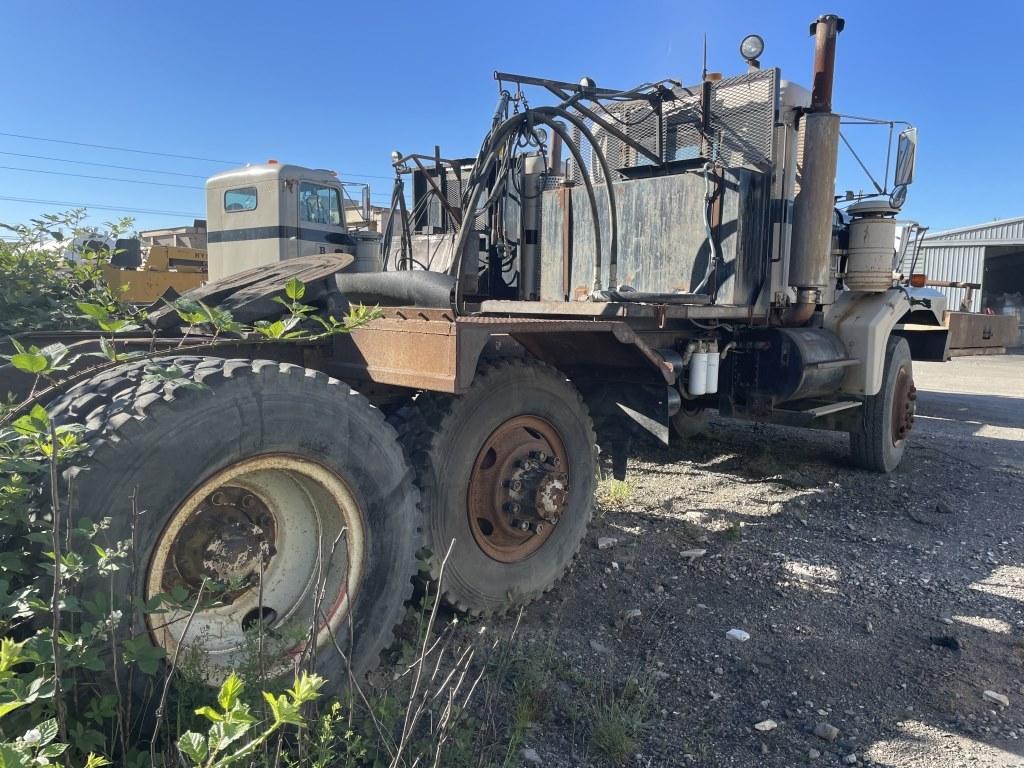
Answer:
(989, 254)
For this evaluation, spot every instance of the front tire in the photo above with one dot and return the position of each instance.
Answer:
(507, 474)
(277, 490)
(887, 418)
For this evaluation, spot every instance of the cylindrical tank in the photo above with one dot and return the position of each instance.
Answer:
(792, 363)
(367, 252)
(697, 382)
(872, 249)
(712, 379)
(809, 264)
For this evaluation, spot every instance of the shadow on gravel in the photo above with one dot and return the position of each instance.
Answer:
(995, 410)
(882, 605)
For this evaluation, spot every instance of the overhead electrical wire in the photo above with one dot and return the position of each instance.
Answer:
(154, 153)
(99, 207)
(99, 178)
(120, 149)
(104, 165)
(128, 181)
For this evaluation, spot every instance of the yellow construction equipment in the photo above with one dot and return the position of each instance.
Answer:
(165, 266)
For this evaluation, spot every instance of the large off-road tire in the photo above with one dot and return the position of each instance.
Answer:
(521, 434)
(886, 418)
(274, 488)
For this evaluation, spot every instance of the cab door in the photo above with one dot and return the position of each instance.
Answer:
(322, 220)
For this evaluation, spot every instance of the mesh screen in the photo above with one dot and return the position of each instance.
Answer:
(739, 135)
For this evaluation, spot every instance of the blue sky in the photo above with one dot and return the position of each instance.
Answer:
(339, 85)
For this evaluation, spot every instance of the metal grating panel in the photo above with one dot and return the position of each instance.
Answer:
(740, 133)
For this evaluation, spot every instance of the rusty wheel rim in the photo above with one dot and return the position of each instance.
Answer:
(272, 542)
(903, 406)
(518, 488)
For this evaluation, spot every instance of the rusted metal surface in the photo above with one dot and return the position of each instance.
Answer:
(263, 527)
(229, 538)
(518, 489)
(416, 353)
(973, 330)
(825, 30)
(904, 399)
(617, 309)
(442, 356)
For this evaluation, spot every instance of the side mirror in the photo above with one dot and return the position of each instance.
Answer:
(906, 154)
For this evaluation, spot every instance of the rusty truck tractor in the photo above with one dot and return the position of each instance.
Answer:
(687, 254)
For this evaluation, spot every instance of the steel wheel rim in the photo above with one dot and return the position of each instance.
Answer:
(903, 406)
(520, 474)
(273, 575)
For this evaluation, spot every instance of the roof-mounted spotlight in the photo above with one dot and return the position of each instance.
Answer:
(751, 49)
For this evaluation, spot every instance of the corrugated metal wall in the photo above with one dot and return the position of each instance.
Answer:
(959, 255)
(957, 263)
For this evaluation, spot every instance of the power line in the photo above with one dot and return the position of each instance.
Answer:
(97, 206)
(150, 152)
(99, 178)
(380, 195)
(104, 165)
(121, 149)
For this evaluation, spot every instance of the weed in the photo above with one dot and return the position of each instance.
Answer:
(612, 492)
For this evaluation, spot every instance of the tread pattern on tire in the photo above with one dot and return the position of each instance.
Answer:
(114, 403)
(422, 427)
(866, 449)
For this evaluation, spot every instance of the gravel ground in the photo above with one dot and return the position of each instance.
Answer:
(881, 606)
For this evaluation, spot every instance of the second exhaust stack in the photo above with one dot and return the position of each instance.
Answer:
(810, 262)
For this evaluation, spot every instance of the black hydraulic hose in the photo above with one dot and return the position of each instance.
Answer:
(613, 219)
(489, 155)
(481, 170)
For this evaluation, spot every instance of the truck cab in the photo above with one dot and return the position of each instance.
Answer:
(270, 212)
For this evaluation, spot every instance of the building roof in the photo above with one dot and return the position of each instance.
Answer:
(1001, 232)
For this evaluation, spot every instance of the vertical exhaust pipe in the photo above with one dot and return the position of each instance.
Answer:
(810, 261)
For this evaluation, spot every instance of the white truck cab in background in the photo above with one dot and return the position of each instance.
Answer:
(269, 212)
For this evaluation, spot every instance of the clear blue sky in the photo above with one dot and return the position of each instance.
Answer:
(339, 85)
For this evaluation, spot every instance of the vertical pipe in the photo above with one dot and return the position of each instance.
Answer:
(825, 30)
(810, 261)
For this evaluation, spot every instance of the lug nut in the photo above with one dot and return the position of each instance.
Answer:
(512, 508)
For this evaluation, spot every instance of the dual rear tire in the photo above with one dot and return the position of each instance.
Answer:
(507, 473)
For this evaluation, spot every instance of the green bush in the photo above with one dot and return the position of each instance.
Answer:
(68, 658)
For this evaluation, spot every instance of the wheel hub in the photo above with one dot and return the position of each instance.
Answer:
(904, 406)
(229, 539)
(518, 489)
(279, 542)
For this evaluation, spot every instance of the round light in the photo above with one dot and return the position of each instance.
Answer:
(587, 83)
(752, 47)
(540, 136)
(396, 157)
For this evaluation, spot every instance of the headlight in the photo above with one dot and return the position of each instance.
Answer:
(752, 47)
